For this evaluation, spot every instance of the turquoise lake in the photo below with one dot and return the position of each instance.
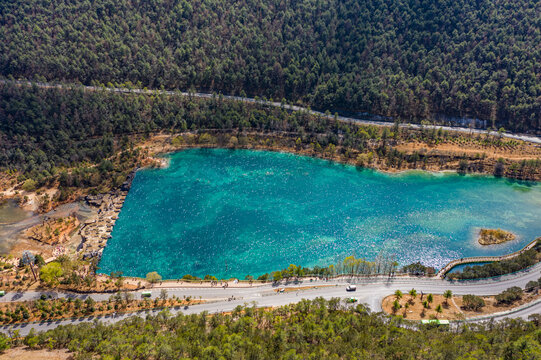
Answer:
(231, 213)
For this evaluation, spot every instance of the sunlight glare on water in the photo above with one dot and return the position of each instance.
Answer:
(231, 213)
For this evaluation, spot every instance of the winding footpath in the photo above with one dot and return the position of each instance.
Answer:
(478, 259)
(361, 121)
(369, 291)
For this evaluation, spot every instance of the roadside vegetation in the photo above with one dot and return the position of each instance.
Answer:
(418, 269)
(383, 265)
(66, 273)
(315, 329)
(415, 305)
(77, 274)
(46, 309)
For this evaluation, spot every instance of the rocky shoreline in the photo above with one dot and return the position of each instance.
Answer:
(95, 214)
(95, 232)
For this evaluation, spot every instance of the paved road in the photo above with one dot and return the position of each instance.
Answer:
(370, 292)
(524, 137)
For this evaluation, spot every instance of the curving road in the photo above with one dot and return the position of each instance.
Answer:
(369, 291)
(524, 137)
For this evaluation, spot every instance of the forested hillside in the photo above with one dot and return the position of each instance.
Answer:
(406, 58)
(316, 329)
(45, 130)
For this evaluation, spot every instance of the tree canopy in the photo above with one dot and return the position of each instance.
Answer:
(153, 277)
(51, 272)
(406, 58)
(317, 329)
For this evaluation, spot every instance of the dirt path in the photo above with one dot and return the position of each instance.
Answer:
(27, 354)
(457, 307)
(519, 153)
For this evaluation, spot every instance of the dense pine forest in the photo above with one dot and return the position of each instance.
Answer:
(407, 58)
(316, 329)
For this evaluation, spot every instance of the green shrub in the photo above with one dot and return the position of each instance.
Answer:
(472, 302)
(509, 296)
(418, 269)
(153, 277)
(532, 285)
(190, 277)
(29, 185)
(263, 277)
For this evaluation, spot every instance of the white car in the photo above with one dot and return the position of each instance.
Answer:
(351, 288)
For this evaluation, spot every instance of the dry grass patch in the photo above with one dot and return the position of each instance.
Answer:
(451, 310)
(20, 353)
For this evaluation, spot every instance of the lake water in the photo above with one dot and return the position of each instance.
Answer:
(230, 213)
(461, 267)
(10, 212)
(10, 216)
